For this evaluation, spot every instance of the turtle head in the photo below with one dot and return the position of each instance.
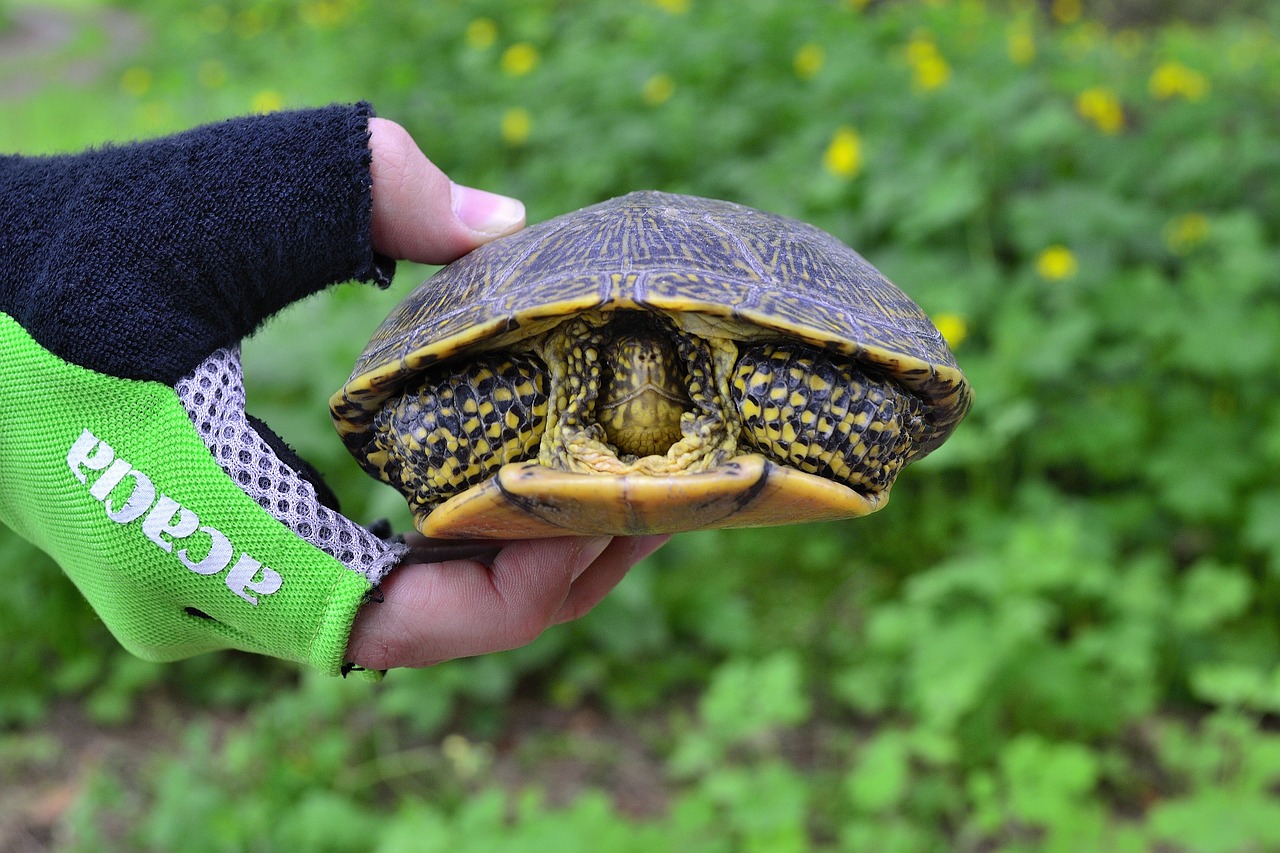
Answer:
(643, 390)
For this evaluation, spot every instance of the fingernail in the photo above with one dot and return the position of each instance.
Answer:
(591, 549)
(486, 212)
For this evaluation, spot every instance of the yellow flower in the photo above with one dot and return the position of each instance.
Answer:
(1066, 11)
(921, 48)
(516, 125)
(1100, 105)
(1022, 42)
(1174, 80)
(809, 60)
(929, 70)
(1056, 263)
(136, 81)
(1185, 232)
(481, 33)
(658, 89)
(843, 157)
(932, 74)
(519, 59)
(267, 101)
(673, 7)
(954, 328)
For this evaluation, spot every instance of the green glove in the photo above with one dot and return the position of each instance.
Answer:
(113, 479)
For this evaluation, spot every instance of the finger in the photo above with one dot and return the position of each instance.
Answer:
(437, 611)
(418, 213)
(605, 573)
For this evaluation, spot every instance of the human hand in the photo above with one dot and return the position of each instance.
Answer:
(435, 610)
(131, 274)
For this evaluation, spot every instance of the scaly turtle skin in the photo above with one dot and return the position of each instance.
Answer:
(654, 363)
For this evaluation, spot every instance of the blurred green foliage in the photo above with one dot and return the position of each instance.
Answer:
(1062, 634)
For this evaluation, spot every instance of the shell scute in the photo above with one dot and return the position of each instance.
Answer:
(694, 290)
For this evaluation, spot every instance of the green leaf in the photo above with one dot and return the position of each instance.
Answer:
(951, 671)
(766, 806)
(1214, 820)
(1262, 525)
(881, 773)
(1230, 684)
(747, 698)
(1212, 594)
(1046, 782)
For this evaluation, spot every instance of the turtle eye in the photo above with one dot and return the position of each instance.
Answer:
(458, 427)
(825, 415)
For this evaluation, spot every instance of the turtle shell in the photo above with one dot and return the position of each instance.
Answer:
(747, 273)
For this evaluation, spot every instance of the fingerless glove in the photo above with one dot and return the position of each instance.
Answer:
(128, 277)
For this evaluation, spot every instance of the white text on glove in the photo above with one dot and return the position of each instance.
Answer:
(165, 521)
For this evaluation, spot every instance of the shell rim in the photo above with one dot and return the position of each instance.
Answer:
(392, 373)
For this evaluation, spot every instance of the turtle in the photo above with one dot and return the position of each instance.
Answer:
(653, 363)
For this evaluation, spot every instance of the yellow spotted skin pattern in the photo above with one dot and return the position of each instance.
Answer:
(458, 427)
(824, 415)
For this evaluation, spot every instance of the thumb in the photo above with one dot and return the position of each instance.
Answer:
(418, 213)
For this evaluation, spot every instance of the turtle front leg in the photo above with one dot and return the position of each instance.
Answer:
(573, 441)
(823, 414)
(460, 426)
(710, 429)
